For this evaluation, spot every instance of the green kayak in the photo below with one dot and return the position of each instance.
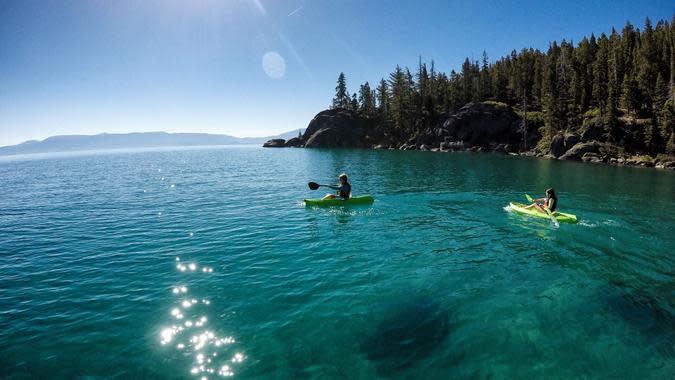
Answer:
(359, 200)
(559, 216)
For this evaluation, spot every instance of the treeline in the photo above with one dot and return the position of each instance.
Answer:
(624, 80)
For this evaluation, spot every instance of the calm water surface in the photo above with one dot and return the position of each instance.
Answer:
(184, 264)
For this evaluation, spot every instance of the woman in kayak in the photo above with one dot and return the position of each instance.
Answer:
(550, 202)
(344, 189)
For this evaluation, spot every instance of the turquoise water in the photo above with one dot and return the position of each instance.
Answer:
(204, 263)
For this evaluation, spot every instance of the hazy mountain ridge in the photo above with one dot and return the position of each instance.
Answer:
(68, 143)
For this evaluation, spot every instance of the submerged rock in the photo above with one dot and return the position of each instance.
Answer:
(408, 333)
(650, 315)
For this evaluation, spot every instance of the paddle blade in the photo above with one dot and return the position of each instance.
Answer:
(553, 219)
(313, 185)
(529, 198)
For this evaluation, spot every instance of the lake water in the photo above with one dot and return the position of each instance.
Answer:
(194, 263)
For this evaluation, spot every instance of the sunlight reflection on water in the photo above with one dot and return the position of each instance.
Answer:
(209, 350)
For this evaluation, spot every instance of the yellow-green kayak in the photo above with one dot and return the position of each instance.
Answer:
(359, 200)
(559, 216)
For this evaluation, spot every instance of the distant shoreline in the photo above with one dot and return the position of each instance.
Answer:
(134, 140)
(112, 151)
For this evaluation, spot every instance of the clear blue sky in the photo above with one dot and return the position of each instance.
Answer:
(85, 67)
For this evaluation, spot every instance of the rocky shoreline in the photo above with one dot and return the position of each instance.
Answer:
(476, 127)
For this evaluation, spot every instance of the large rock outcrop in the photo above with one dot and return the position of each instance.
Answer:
(593, 130)
(571, 139)
(337, 128)
(275, 143)
(557, 146)
(577, 152)
(480, 127)
(562, 143)
(486, 124)
(294, 142)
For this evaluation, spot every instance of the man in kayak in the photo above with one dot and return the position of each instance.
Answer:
(344, 189)
(550, 202)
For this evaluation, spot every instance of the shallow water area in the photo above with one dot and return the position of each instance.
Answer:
(205, 263)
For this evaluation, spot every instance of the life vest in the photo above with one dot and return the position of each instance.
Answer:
(346, 194)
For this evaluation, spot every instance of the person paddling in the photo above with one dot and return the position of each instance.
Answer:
(550, 202)
(344, 188)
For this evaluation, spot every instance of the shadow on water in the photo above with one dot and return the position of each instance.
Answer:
(410, 332)
(650, 316)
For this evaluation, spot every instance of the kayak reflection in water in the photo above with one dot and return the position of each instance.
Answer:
(550, 202)
(344, 189)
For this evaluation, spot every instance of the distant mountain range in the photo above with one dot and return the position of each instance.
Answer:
(69, 143)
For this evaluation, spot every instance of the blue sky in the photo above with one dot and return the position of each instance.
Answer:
(86, 67)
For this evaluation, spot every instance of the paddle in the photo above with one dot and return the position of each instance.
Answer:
(553, 219)
(314, 185)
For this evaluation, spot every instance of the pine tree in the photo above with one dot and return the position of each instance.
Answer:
(610, 117)
(467, 81)
(577, 85)
(422, 79)
(628, 45)
(550, 101)
(433, 81)
(653, 139)
(420, 94)
(399, 99)
(665, 117)
(537, 81)
(600, 73)
(668, 126)
(454, 94)
(366, 100)
(563, 73)
(630, 95)
(383, 100)
(485, 83)
(647, 67)
(341, 99)
(354, 103)
(616, 55)
(660, 93)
